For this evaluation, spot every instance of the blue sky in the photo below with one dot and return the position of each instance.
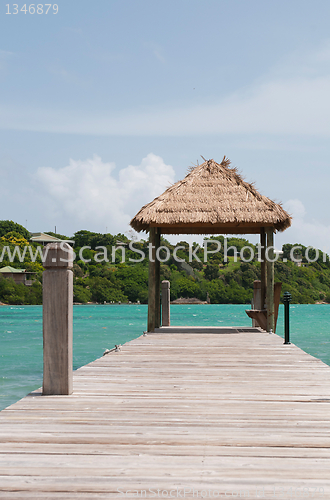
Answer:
(105, 103)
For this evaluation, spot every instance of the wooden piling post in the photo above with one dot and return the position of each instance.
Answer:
(263, 276)
(257, 294)
(257, 302)
(157, 280)
(152, 281)
(57, 318)
(166, 321)
(270, 279)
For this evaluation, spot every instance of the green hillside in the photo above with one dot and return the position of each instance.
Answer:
(222, 282)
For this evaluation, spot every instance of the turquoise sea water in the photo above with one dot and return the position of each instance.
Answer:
(100, 327)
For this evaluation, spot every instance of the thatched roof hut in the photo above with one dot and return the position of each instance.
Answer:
(212, 199)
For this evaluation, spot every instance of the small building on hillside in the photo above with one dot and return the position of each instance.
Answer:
(45, 238)
(20, 276)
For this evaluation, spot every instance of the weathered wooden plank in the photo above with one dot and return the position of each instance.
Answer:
(121, 450)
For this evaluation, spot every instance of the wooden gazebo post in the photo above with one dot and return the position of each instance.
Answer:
(157, 280)
(263, 277)
(154, 281)
(270, 278)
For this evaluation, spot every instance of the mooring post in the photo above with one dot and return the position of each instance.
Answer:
(286, 300)
(165, 303)
(57, 318)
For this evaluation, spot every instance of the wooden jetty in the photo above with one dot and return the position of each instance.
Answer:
(180, 414)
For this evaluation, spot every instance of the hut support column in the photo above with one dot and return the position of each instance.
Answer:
(153, 281)
(263, 267)
(157, 278)
(270, 279)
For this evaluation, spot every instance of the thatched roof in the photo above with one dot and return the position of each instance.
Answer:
(212, 199)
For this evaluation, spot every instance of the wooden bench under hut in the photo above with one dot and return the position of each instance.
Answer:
(213, 199)
(258, 313)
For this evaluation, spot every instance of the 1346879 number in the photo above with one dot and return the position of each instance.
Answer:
(32, 8)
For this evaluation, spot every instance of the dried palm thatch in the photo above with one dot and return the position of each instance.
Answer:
(212, 199)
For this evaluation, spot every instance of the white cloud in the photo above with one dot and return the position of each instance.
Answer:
(308, 232)
(147, 181)
(295, 208)
(86, 194)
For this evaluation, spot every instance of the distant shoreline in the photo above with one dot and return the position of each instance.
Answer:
(189, 300)
(181, 301)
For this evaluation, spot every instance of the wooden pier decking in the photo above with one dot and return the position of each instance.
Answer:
(228, 415)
